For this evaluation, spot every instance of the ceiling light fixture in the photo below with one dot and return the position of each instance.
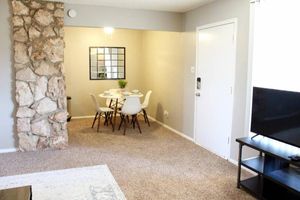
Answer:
(72, 13)
(108, 30)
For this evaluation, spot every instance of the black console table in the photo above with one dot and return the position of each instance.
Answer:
(277, 176)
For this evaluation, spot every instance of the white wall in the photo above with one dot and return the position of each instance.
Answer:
(100, 16)
(7, 140)
(214, 12)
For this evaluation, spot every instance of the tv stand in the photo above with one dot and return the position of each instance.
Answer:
(254, 136)
(278, 177)
(295, 158)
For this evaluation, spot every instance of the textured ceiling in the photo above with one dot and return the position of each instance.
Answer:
(160, 5)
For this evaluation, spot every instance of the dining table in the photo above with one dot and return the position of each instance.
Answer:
(116, 96)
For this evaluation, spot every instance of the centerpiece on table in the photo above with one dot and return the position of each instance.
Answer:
(122, 85)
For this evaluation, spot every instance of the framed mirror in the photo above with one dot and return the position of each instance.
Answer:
(107, 63)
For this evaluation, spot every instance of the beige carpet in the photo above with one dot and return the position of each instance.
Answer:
(157, 164)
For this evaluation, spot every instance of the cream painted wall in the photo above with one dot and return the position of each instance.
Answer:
(210, 13)
(79, 86)
(154, 62)
(163, 74)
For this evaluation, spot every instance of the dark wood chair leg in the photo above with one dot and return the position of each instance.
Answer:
(99, 117)
(106, 119)
(133, 121)
(115, 115)
(146, 117)
(122, 120)
(138, 124)
(125, 124)
(110, 106)
(95, 119)
(110, 117)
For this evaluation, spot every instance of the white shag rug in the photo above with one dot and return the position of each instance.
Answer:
(87, 183)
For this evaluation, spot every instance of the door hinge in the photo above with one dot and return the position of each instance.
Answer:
(228, 140)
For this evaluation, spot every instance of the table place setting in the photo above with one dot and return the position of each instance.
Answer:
(119, 93)
(133, 92)
(116, 97)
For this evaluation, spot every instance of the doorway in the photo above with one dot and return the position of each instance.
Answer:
(215, 72)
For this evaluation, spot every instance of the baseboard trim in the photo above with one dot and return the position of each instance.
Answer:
(9, 150)
(83, 117)
(233, 161)
(171, 129)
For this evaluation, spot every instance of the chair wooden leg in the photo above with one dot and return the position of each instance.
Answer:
(99, 117)
(110, 117)
(105, 121)
(133, 121)
(107, 118)
(146, 117)
(122, 120)
(127, 118)
(125, 124)
(138, 124)
(95, 119)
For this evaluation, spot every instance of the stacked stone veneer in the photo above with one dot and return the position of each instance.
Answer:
(40, 85)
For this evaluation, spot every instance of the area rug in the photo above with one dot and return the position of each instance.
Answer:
(87, 183)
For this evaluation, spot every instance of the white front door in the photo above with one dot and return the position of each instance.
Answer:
(214, 95)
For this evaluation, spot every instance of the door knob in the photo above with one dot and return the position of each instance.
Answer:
(197, 94)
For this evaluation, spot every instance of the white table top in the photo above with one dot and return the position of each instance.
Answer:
(119, 95)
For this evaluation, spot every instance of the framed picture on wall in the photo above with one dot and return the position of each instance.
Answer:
(107, 63)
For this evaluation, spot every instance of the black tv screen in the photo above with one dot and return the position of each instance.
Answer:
(276, 114)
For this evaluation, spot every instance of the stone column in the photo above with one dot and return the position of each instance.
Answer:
(40, 84)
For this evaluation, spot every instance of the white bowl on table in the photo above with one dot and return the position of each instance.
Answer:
(126, 93)
(106, 93)
(135, 91)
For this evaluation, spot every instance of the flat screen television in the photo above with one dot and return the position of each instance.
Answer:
(276, 114)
